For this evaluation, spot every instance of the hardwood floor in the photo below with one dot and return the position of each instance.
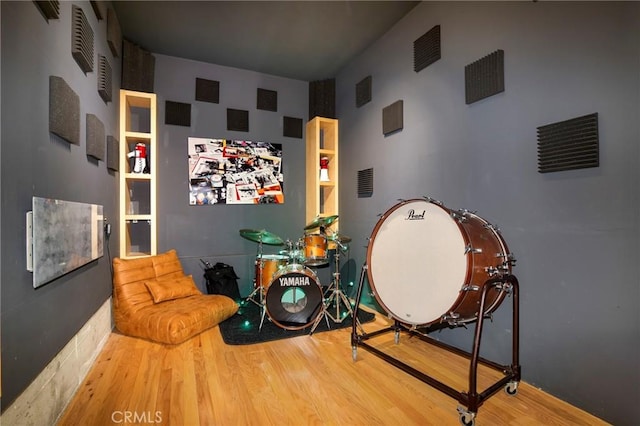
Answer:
(307, 380)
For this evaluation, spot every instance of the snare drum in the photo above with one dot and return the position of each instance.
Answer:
(271, 263)
(427, 264)
(294, 297)
(315, 250)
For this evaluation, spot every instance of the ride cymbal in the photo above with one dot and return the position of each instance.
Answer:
(321, 221)
(261, 236)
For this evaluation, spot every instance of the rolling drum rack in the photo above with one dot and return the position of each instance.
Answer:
(471, 399)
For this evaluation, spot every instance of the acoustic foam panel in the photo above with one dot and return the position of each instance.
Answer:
(49, 9)
(207, 90)
(95, 137)
(484, 77)
(322, 99)
(267, 100)
(81, 40)
(137, 68)
(177, 113)
(64, 110)
(99, 8)
(426, 49)
(114, 33)
(392, 118)
(238, 120)
(113, 153)
(105, 88)
(570, 144)
(363, 91)
(365, 183)
(292, 127)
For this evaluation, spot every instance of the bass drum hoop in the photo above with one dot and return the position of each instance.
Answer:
(277, 313)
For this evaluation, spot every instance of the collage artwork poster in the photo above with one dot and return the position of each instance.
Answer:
(224, 171)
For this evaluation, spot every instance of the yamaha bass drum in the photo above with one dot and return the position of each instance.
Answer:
(294, 298)
(427, 264)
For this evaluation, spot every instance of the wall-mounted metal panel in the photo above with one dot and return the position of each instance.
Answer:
(66, 235)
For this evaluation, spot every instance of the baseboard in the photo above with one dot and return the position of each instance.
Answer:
(44, 401)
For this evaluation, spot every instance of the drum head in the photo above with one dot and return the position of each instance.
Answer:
(416, 262)
(294, 298)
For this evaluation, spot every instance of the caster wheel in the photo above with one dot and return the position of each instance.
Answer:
(466, 418)
(511, 388)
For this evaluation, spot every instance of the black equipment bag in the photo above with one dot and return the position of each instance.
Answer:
(222, 279)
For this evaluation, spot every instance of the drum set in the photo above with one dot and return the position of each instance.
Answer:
(287, 289)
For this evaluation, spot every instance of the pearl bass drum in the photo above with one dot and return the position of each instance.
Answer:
(427, 264)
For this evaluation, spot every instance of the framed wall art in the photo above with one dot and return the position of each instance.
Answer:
(225, 171)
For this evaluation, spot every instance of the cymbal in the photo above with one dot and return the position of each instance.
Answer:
(261, 236)
(321, 221)
(342, 239)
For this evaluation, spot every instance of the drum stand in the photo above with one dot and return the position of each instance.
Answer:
(259, 288)
(337, 295)
(471, 399)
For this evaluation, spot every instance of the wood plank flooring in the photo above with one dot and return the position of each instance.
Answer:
(307, 380)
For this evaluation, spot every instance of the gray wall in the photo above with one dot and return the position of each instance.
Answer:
(212, 232)
(36, 324)
(575, 234)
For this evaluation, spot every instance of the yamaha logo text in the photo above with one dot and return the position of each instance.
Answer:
(294, 281)
(415, 216)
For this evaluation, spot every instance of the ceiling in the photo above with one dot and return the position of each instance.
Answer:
(303, 40)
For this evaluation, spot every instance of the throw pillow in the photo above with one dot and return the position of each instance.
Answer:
(164, 289)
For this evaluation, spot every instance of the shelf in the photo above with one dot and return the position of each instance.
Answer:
(322, 196)
(138, 219)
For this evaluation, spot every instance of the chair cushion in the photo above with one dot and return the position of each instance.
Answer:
(175, 321)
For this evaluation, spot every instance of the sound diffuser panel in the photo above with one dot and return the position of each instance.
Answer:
(392, 118)
(426, 49)
(267, 100)
(322, 99)
(363, 91)
(113, 151)
(292, 127)
(207, 90)
(81, 40)
(95, 137)
(114, 33)
(568, 145)
(237, 120)
(484, 77)
(365, 183)
(137, 68)
(49, 9)
(99, 8)
(64, 110)
(177, 113)
(105, 89)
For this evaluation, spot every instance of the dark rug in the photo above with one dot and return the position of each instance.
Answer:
(244, 327)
